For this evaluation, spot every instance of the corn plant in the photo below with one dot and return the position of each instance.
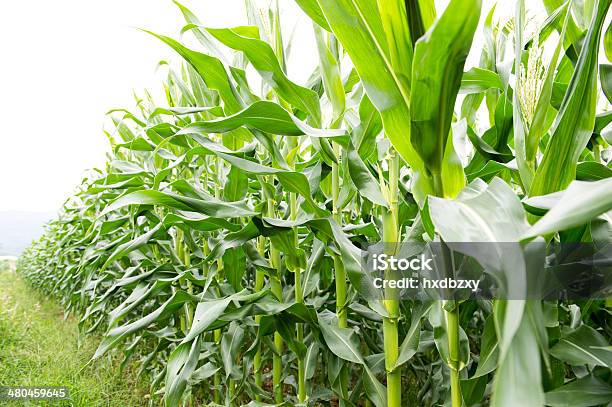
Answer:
(219, 250)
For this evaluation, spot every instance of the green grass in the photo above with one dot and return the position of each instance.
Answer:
(39, 348)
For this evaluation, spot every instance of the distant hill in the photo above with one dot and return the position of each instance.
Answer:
(18, 229)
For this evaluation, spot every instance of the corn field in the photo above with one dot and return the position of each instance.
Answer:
(219, 250)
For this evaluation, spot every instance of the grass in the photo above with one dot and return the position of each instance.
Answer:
(39, 348)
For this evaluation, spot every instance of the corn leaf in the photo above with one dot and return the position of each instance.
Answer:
(574, 124)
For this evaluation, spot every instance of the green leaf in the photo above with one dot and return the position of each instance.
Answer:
(574, 124)
(234, 239)
(130, 246)
(115, 335)
(202, 373)
(519, 368)
(592, 171)
(237, 185)
(608, 42)
(330, 73)
(453, 176)
(199, 222)
(234, 266)
(376, 392)
(436, 78)
(287, 331)
(313, 10)
(584, 392)
(410, 344)
(489, 350)
(370, 125)
(580, 203)
(202, 36)
(181, 364)
(357, 25)
(211, 70)
(478, 80)
(211, 207)
(263, 59)
(493, 214)
(605, 76)
(341, 341)
(396, 26)
(583, 345)
(361, 280)
(364, 181)
(137, 144)
(181, 111)
(230, 347)
(205, 314)
(310, 360)
(311, 275)
(264, 116)
(473, 390)
(292, 181)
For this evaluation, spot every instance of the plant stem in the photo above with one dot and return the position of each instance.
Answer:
(452, 331)
(339, 272)
(217, 376)
(597, 152)
(299, 298)
(391, 346)
(452, 326)
(259, 282)
(182, 253)
(340, 276)
(452, 319)
(217, 332)
(297, 272)
(231, 387)
(277, 291)
(277, 368)
(300, 339)
(391, 302)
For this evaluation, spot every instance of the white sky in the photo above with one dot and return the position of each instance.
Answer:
(64, 63)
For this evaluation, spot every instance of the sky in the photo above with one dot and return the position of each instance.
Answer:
(65, 63)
